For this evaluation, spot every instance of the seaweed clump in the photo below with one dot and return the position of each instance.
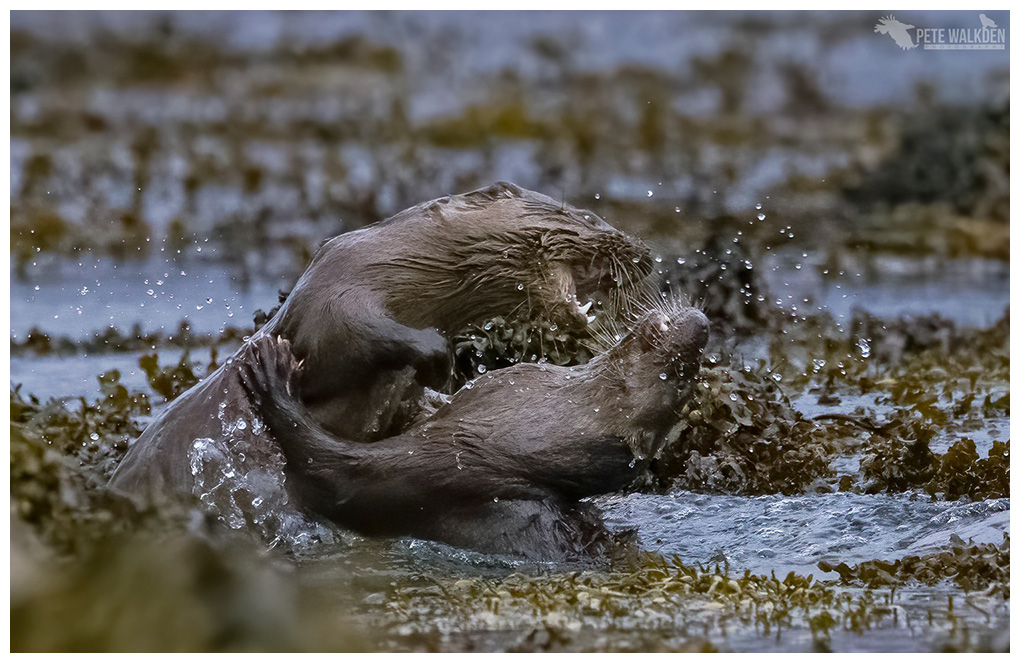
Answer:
(897, 464)
(740, 434)
(980, 567)
(94, 571)
(636, 608)
(112, 340)
(63, 454)
(500, 343)
(62, 457)
(165, 587)
(170, 382)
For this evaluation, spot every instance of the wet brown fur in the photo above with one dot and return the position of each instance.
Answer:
(516, 447)
(372, 314)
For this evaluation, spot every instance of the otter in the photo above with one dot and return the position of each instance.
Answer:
(502, 466)
(373, 313)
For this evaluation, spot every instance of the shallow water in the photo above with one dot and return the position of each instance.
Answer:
(793, 533)
(913, 618)
(971, 293)
(76, 299)
(761, 533)
(71, 377)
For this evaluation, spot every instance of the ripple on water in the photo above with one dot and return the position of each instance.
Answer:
(782, 533)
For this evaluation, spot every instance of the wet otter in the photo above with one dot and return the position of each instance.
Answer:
(372, 313)
(501, 466)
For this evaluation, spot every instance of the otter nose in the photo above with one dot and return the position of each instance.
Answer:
(701, 326)
(695, 329)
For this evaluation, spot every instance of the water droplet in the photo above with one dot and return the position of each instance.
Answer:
(597, 196)
(94, 436)
(520, 286)
(663, 376)
(650, 194)
(482, 368)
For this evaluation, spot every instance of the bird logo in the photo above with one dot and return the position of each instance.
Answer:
(987, 22)
(898, 31)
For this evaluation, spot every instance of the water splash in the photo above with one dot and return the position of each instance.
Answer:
(239, 478)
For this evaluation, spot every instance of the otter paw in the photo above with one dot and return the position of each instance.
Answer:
(269, 371)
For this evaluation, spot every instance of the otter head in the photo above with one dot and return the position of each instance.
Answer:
(510, 253)
(656, 363)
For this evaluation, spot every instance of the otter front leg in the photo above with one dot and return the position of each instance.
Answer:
(365, 372)
(350, 347)
(320, 465)
(379, 390)
(396, 346)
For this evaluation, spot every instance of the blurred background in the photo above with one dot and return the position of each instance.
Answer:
(239, 141)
